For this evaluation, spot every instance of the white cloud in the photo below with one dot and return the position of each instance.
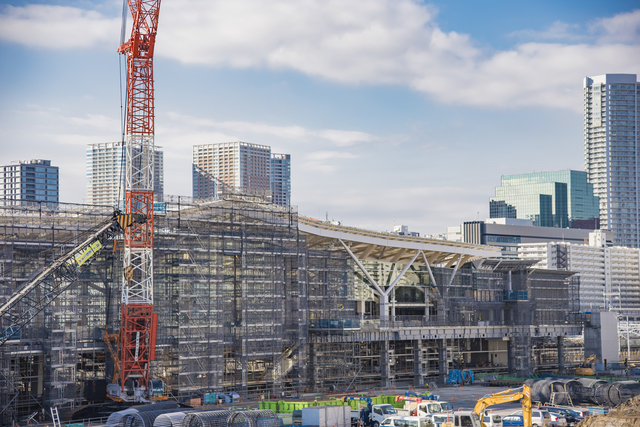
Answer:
(394, 42)
(621, 28)
(97, 121)
(327, 155)
(242, 130)
(57, 27)
(557, 31)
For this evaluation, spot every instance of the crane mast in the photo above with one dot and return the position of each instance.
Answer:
(138, 321)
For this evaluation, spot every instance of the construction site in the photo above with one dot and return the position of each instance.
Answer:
(173, 298)
(251, 301)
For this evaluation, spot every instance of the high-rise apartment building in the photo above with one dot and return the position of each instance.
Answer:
(281, 179)
(105, 174)
(30, 180)
(611, 151)
(231, 167)
(609, 275)
(549, 199)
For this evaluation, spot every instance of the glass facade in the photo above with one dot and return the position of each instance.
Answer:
(32, 180)
(281, 179)
(611, 152)
(550, 199)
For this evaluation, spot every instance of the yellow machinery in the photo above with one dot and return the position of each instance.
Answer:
(507, 396)
(587, 368)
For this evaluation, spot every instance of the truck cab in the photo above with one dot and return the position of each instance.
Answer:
(379, 413)
(466, 419)
(433, 407)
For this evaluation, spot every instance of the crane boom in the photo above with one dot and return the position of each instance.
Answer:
(137, 320)
(48, 284)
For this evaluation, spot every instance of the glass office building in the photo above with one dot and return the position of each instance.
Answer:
(281, 179)
(611, 152)
(30, 180)
(549, 199)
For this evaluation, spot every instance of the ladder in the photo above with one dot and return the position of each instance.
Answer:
(55, 417)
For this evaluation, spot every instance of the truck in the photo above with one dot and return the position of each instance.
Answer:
(371, 415)
(433, 407)
(410, 405)
(429, 396)
(462, 419)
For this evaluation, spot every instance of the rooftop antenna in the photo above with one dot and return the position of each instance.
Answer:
(477, 213)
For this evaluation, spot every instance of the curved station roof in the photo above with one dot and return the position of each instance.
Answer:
(386, 247)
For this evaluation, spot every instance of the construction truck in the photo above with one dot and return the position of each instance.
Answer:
(433, 407)
(510, 395)
(410, 405)
(587, 368)
(429, 396)
(371, 415)
(462, 419)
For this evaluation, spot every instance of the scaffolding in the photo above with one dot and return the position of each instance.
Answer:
(245, 305)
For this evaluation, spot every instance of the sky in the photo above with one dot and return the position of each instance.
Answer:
(395, 112)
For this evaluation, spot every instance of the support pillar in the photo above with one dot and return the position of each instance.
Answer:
(561, 355)
(313, 368)
(511, 368)
(386, 375)
(418, 379)
(443, 364)
(384, 311)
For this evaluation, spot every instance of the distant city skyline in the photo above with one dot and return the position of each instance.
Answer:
(395, 111)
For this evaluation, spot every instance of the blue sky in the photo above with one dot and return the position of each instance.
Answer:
(394, 111)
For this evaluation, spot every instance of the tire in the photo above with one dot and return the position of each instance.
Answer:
(534, 425)
(376, 424)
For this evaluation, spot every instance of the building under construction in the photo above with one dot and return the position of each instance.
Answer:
(254, 299)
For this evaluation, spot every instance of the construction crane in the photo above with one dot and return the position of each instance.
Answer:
(52, 281)
(507, 396)
(138, 322)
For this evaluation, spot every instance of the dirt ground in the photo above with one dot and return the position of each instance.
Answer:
(625, 415)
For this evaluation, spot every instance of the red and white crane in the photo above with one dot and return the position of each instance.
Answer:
(137, 336)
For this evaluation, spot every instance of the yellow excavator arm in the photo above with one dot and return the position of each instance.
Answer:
(507, 396)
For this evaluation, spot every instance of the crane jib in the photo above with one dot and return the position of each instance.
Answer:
(85, 255)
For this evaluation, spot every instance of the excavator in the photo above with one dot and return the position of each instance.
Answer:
(510, 395)
(587, 368)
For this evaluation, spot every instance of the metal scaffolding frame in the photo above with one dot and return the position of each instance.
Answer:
(247, 302)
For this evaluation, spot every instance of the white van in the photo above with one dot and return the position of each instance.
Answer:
(538, 418)
(408, 421)
(491, 420)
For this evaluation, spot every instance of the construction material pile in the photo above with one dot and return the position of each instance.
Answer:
(625, 415)
(563, 391)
